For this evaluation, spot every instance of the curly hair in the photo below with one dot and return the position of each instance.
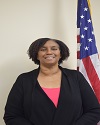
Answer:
(37, 44)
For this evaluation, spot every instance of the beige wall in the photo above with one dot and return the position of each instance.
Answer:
(23, 21)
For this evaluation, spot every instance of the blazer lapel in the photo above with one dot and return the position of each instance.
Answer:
(65, 103)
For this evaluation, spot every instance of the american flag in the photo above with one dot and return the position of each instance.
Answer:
(88, 62)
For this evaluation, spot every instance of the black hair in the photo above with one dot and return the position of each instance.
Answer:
(37, 44)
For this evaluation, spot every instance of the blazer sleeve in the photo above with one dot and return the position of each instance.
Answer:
(91, 106)
(14, 114)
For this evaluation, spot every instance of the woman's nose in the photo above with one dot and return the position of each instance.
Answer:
(49, 51)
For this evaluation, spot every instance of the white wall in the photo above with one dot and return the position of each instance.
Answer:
(22, 22)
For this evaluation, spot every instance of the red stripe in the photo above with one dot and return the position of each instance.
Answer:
(92, 75)
(78, 68)
(78, 38)
(78, 54)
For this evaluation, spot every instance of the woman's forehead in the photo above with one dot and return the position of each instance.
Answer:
(51, 43)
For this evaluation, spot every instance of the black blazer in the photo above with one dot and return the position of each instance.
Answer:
(28, 104)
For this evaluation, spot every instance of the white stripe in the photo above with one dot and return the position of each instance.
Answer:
(83, 71)
(96, 63)
(78, 46)
(78, 31)
(78, 62)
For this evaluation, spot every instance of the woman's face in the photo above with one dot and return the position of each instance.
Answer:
(49, 53)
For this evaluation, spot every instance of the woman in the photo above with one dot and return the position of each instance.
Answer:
(51, 95)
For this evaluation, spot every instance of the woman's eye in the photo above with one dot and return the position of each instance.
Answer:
(43, 49)
(54, 48)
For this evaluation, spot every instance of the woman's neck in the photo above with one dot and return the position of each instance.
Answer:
(48, 71)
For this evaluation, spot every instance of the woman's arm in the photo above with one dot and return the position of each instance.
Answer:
(14, 112)
(91, 106)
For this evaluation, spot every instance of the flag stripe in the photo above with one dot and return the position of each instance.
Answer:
(96, 63)
(91, 74)
(78, 38)
(78, 54)
(88, 62)
(78, 46)
(83, 71)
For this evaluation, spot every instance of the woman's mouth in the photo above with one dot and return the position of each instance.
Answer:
(49, 57)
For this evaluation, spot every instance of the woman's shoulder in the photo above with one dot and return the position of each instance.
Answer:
(28, 73)
(26, 79)
(71, 72)
(27, 76)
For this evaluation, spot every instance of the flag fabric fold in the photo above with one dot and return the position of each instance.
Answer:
(88, 62)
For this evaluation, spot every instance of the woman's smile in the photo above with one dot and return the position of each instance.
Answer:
(49, 53)
(49, 57)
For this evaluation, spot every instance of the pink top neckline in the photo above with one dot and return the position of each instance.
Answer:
(53, 94)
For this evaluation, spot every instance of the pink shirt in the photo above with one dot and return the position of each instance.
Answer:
(53, 94)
